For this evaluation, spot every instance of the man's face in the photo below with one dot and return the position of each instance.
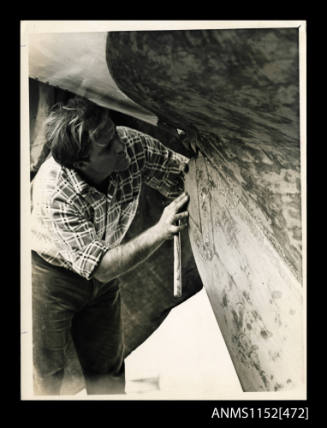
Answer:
(107, 153)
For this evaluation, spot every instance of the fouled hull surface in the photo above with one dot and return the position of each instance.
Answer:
(235, 93)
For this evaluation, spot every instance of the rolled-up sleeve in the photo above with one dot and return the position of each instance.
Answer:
(75, 239)
(163, 169)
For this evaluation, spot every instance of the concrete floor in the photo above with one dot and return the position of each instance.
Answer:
(185, 358)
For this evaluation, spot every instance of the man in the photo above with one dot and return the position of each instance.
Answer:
(84, 198)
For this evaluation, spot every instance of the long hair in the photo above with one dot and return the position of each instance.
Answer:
(68, 129)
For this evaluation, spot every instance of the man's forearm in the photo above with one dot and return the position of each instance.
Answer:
(127, 256)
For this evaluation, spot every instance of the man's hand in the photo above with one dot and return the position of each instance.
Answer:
(125, 257)
(168, 224)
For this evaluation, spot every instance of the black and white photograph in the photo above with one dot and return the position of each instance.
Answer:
(163, 210)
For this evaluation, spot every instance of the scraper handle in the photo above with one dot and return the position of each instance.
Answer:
(177, 266)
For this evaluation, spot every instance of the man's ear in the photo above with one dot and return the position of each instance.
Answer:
(81, 164)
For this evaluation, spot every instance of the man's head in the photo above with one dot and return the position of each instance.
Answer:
(83, 137)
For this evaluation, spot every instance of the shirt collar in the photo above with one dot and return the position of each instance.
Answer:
(79, 185)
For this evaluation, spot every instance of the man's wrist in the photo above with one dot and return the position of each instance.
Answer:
(158, 233)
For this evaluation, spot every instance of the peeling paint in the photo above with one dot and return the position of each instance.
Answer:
(265, 334)
(261, 373)
(238, 319)
(278, 387)
(275, 356)
(255, 315)
(247, 296)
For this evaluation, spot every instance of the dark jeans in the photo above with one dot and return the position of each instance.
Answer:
(65, 303)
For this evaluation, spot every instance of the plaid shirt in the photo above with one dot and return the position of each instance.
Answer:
(73, 224)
